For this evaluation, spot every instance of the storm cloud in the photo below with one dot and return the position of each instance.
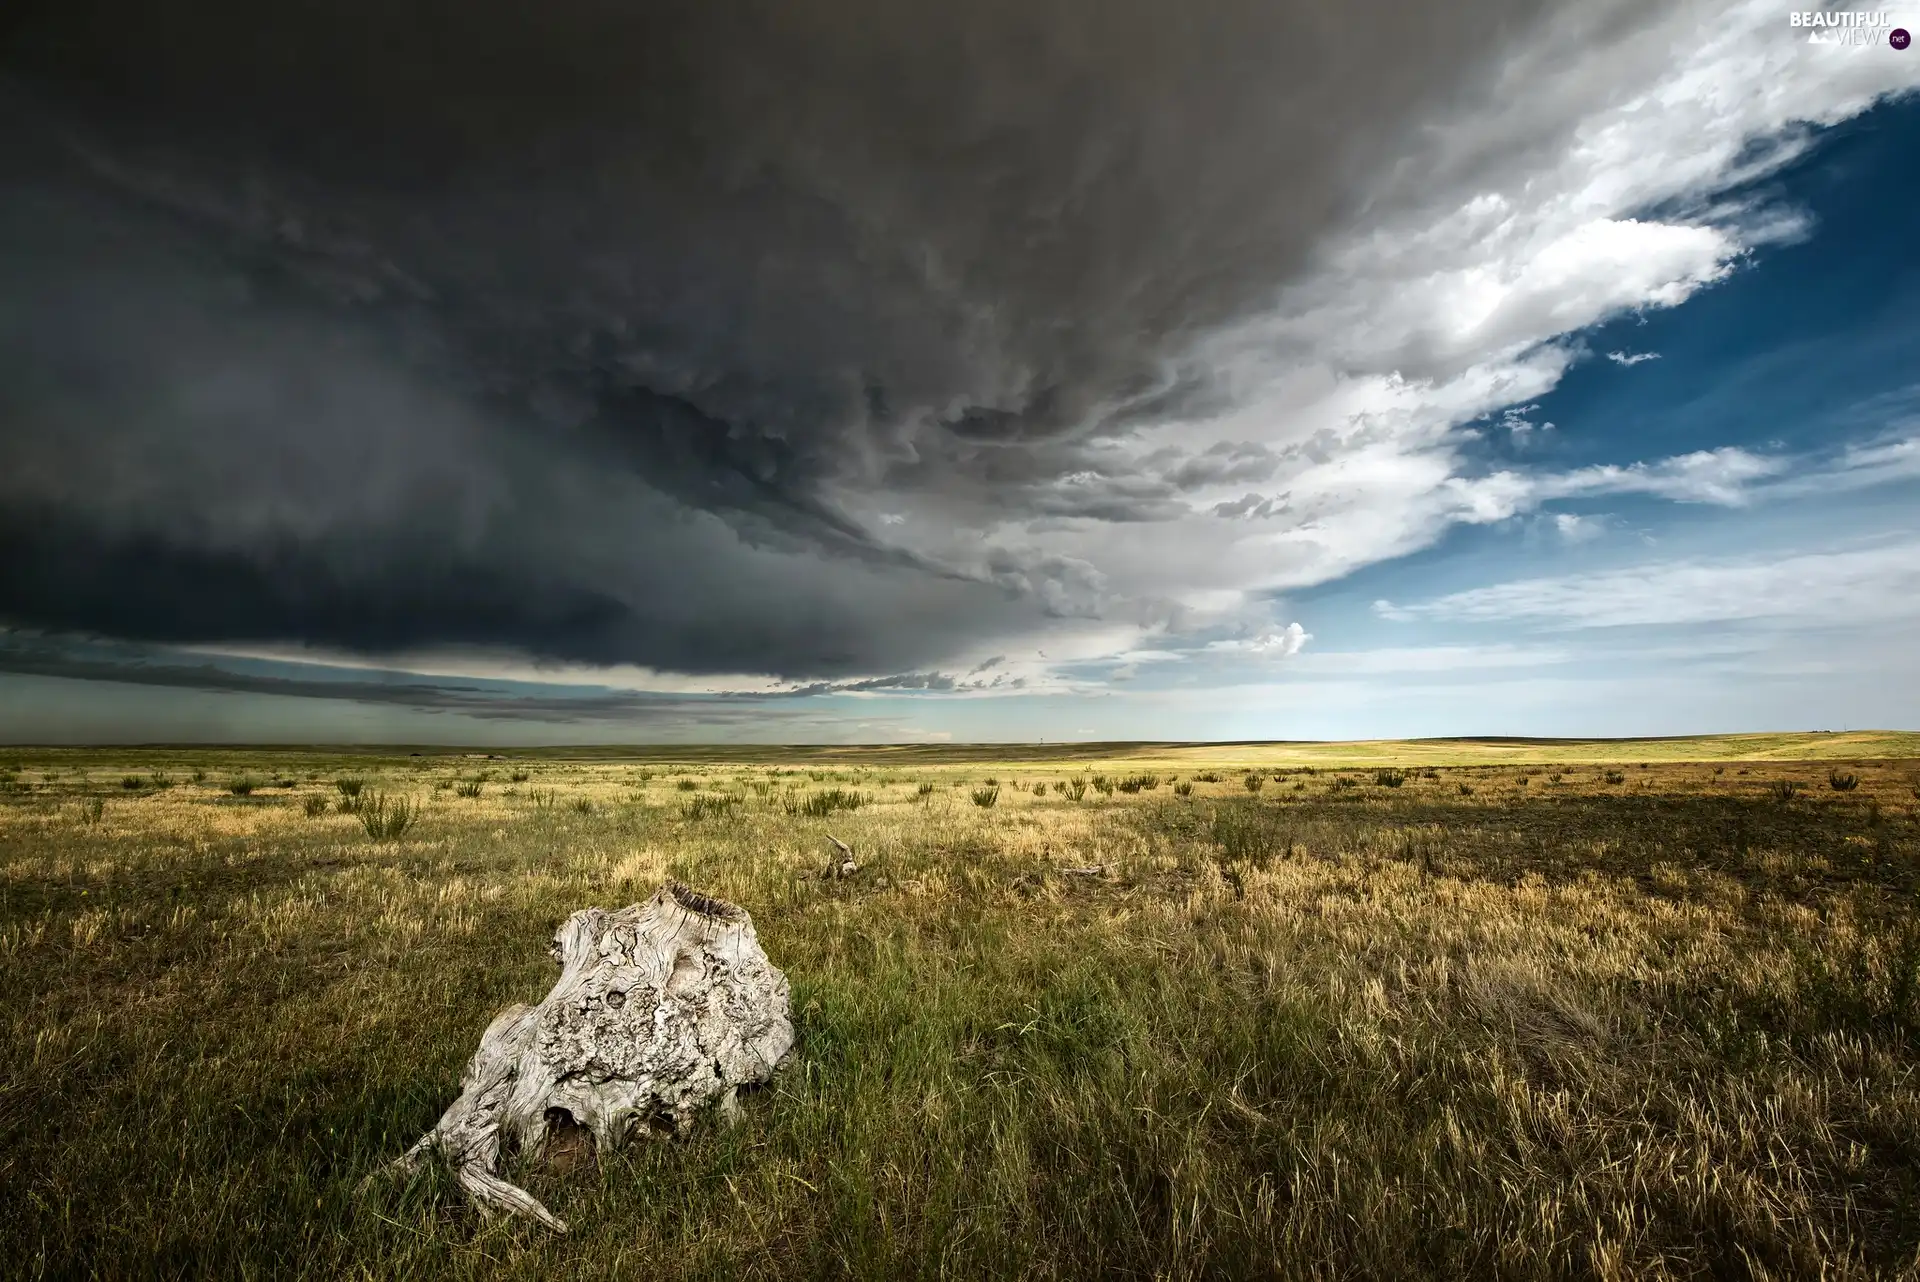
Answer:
(647, 333)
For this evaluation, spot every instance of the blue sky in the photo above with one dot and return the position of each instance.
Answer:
(1614, 433)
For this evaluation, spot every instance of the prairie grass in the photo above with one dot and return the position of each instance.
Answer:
(705, 805)
(386, 818)
(825, 802)
(1664, 1031)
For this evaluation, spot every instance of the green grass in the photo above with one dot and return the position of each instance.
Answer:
(820, 805)
(1662, 1026)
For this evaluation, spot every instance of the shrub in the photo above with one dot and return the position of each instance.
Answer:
(314, 806)
(1253, 783)
(985, 797)
(823, 803)
(1614, 776)
(992, 782)
(472, 788)
(1466, 790)
(1077, 788)
(1389, 778)
(1842, 782)
(1103, 785)
(1183, 790)
(1060, 786)
(349, 788)
(241, 787)
(1040, 790)
(1346, 781)
(387, 818)
(91, 810)
(582, 806)
(1248, 832)
(521, 776)
(1784, 790)
(199, 776)
(1208, 776)
(708, 805)
(688, 785)
(132, 783)
(924, 791)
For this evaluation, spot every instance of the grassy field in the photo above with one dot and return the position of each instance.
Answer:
(1440, 1009)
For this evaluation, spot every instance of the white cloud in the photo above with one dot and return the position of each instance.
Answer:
(1516, 421)
(1577, 529)
(1723, 476)
(1840, 588)
(1857, 467)
(1280, 643)
(1631, 359)
(1413, 660)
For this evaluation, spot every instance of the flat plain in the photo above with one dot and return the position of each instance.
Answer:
(1465, 1008)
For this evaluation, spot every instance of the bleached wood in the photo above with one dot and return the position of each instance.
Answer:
(844, 866)
(661, 1009)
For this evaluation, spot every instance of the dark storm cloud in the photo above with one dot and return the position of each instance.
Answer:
(1226, 462)
(562, 326)
(496, 700)
(1250, 507)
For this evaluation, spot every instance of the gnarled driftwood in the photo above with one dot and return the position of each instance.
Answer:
(660, 1008)
(844, 866)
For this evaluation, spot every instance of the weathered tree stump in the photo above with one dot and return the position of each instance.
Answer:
(844, 866)
(661, 1008)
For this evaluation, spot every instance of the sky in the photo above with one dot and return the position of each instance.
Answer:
(834, 371)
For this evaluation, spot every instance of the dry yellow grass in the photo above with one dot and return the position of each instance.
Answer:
(1561, 1018)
